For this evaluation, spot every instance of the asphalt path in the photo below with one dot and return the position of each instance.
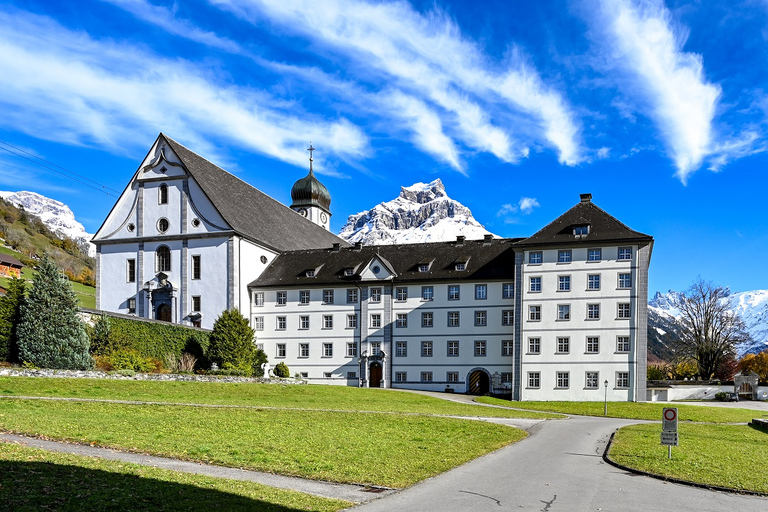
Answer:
(558, 468)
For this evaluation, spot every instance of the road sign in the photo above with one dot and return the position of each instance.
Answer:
(669, 418)
(669, 439)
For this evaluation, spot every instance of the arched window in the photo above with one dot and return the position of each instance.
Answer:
(163, 259)
(162, 194)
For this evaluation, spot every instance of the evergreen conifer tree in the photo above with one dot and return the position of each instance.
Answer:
(10, 312)
(50, 334)
(232, 342)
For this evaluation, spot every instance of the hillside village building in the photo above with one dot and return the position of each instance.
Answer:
(560, 315)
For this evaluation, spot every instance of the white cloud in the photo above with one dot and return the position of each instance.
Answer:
(426, 57)
(603, 153)
(527, 204)
(644, 41)
(65, 86)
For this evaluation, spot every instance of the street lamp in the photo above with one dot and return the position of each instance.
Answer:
(605, 409)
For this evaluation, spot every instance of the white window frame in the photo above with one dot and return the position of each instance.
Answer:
(534, 345)
(481, 291)
(303, 322)
(258, 323)
(427, 319)
(352, 321)
(351, 349)
(508, 291)
(303, 350)
(622, 254)
(453, 348)
(426, 376)
(401, 293)
(280, 351)
(481, 318)
(327, 296)
(327, 349)
(563, 345)
(401, 320)
(592, 345)
(427, 293)
(535, 258)
(593, 311)
(594, 254)
(622, 380)
(401, 376)
(258, 299)
(563, 380)
(352, 296)
(304, 297)
(454, 319)
(623, 310)
(564, 256)
(507, 348)
(621, 342)
(534, 380)
(593, 281)
(375, 321)
(327, 321)
(281, 298)
(281, 323)
(508, 317)
(454, 292)
(375, 295)
(534, 313)
(130, 270)
(592, 380)
(564, 312)
(452, 377)
(401, 349)
(481, 348)
(564, 283)
(534, 284)
(426, 349)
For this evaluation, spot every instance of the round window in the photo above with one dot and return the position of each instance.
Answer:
(264, 259)
(131, 227)
(162, 225)
(195, 222)
(376, 269)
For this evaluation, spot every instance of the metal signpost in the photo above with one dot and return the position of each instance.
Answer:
(669, 435)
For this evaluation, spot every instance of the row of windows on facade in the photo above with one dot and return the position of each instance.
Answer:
(623, 312)
(401, 349)
(593, 282)
(401, 294)
(591, 380)
(163, 264)
(591, 345)
(450, 376)
(196, 304)
(566, 255)
(401, 320)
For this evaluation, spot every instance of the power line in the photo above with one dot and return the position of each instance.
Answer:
(16, 151)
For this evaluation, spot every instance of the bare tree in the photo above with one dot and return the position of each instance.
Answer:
(710, 330)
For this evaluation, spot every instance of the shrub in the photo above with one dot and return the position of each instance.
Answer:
(158, 339)
(100, 335)
(721, 395)
(128, 359)
(281, 370)
(50, 333)
(658, 372)
(231, 342)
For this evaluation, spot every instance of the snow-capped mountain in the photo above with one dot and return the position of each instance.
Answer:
(751, 306)
(422, 213)
(55, 215)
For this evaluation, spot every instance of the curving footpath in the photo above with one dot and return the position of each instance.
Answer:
(558, 468)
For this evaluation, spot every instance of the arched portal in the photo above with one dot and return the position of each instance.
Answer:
(375, 375)
(479, 383)
(163, 313)
(745, 391)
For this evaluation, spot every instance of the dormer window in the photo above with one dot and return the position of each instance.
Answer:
(310, 273)
(581, 231)
(424, 267)
(349, 271)
(461, 266)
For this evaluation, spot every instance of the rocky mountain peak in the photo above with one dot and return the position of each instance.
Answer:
(422, 212)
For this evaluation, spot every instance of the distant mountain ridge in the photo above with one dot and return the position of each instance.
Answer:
(421, 213)
(751, 306)
(57, 216)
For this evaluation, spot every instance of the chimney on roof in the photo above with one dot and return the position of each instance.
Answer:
(336, 247)
(487, 239)
(460, 240)
(358, 246)
(586, 198)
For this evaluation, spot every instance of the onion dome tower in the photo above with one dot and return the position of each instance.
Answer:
(310, 197)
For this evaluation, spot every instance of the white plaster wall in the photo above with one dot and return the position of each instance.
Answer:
(201, 207)
(212, 285)
(251, 268)
(577, 362)
(123, 213)
(153, 211)
(114, 288)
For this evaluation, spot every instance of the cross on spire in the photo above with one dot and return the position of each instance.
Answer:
(310, 149)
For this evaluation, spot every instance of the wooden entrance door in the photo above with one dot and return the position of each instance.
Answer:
(745, 391)
(164, 312)
(375, 379)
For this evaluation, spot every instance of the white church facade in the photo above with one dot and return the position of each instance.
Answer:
(560, 315)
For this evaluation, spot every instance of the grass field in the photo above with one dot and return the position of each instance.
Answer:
(732, 456)
(32, 480)
(338, 398)
(380, 449)
(637, 410)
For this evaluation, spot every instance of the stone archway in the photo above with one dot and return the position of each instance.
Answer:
(479, 382)
(375, 374)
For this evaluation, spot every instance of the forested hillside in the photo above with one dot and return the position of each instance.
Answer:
(30, 238)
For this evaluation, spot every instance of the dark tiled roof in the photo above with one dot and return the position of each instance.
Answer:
(485, 261)
(9, 260)
(251, 212)
(603, 227)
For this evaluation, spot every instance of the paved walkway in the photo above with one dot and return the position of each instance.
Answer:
(354, 493)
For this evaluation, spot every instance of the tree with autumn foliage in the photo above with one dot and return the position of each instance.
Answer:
(757, 363)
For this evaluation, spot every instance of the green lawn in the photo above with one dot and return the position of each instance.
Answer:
(381, 449)
(86, 295)
(338, 398)
(32, 480)
(732, 456)
(637, 410)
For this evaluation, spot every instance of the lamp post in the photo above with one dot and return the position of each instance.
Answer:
(605, 409)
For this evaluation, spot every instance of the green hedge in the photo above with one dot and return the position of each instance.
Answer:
(157, 340)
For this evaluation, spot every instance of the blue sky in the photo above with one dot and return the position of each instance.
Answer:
(658, 109)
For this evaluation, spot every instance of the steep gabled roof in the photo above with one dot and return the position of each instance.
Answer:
(487, 260)
(10, 261)
(251, 212)
(603, 227)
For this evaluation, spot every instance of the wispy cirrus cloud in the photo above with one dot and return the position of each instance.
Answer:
(642, 41)
(65, 86)
(426, 57)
